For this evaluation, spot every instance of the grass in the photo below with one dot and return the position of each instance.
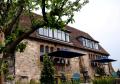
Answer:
(66, 82)
(71, 82)
(107, 80)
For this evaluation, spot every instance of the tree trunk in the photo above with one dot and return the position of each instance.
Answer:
(9, 73)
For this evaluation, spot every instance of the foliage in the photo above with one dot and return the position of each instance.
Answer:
(4, 67)
(10, 77)
(118, 73)
(107, 80)
(71, 82)
(56, 14)
(47, 74)
(21, 46)
(100, 71)
(32, 81)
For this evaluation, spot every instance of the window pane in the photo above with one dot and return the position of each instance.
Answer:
(93, 45)
(41, 31)
(90, 43)
(59, 34)
(63, 35)
(46, 49)
(55, 33)
(41, 48)
(84, 42)
(67, 37)
(46, 31)
(50, 33)
(96, 46)
(41, 52)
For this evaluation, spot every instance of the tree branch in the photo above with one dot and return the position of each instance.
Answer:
(16, 16)
(5, 10)
(13, 45)
(43, 11)
(9, 2)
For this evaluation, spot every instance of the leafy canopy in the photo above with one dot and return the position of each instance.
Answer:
(55, 14)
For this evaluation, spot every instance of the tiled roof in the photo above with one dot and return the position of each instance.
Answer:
(74, 34)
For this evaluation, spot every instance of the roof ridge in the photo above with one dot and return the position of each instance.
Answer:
(76, 29)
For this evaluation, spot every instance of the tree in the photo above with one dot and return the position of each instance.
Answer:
(47, 74)
(55, 14)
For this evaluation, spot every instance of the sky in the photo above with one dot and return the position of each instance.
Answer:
(101, 19)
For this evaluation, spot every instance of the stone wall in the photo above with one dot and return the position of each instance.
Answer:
(28, 65)
(28, 62)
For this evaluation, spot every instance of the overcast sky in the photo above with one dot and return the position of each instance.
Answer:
(101, 19)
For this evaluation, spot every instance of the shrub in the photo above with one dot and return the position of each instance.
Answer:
(107, 80)
(32, 81)
(47, 73)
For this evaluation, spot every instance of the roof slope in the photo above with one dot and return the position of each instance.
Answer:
(74, 34)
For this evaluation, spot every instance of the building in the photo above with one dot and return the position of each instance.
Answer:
(28, 65)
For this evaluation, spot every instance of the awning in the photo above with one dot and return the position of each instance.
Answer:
(65, 54)
(104, 60)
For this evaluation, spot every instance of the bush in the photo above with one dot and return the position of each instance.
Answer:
(107, 80)
(47, 73)
(32, 81)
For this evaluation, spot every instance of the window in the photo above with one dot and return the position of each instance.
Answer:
(84, 42)
(42, 48)
(41, 52)
(41, 31)
(81, 40)
(50, 32)
(46, 31)
(96, 46)
(55, 33)
(67, 37)
(59, 34)
(46, 49)
(89, 43)
(93, 45)
(63, 35)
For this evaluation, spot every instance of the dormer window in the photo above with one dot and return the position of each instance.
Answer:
(55, 34)
(89, 43)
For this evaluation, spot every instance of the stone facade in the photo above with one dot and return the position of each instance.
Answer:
(28, 65)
